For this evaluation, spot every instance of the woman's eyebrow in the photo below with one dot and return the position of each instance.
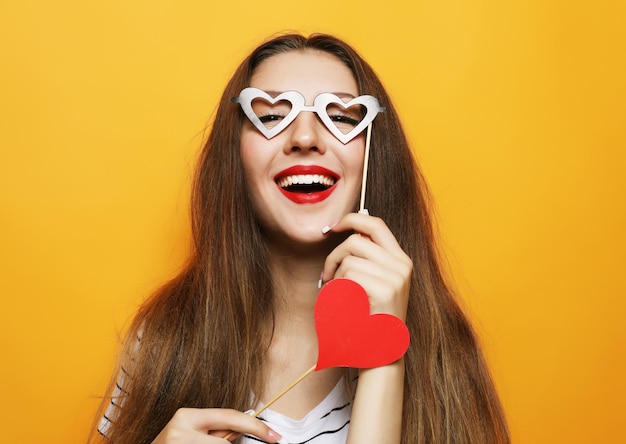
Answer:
(341, 95)
(274, 93)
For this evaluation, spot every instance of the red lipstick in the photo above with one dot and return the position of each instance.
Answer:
(294, 182)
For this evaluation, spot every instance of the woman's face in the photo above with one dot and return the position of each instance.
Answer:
(304, 150)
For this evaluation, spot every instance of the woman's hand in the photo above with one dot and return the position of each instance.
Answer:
(205, 426)
(373, 258)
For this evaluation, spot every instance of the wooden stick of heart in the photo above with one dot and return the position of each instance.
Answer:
(368, 138)
(277, 397)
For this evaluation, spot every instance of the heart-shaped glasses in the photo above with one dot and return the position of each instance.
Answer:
(345, 120)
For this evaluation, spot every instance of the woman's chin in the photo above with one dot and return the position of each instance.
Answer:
(306, 240)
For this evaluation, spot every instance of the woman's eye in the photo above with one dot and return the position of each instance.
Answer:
(270, 120)
(270, 114)
(342, 120)
(345, 119)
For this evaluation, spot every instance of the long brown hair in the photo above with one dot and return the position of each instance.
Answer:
(196, 342)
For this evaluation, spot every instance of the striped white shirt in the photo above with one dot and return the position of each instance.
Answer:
(327, 423)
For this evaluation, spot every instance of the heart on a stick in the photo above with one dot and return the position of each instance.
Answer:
(349, 336)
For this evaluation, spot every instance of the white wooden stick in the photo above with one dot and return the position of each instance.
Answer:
(368, 138)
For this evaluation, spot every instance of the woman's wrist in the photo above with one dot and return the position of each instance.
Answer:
(377, 410)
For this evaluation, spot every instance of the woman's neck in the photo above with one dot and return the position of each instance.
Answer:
(296, 280)
(293, 349)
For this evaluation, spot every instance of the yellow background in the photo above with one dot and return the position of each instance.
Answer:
(517, 113)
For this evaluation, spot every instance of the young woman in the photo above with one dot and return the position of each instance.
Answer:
(274, 216)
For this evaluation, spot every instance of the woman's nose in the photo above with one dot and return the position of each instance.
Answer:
(305, 134)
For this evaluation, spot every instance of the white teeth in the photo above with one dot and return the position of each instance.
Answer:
(308, 179)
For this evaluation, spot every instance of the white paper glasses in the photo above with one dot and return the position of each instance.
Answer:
(344, 119)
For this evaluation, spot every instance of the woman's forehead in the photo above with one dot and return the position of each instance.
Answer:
(309, 72)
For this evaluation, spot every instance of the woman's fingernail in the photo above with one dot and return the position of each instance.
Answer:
(327, 228)
(321, 281)
(276, 437)
(364, 211)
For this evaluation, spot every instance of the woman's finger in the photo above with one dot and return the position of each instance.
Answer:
(370, 226)
(207, 425)
(395, 261)
(387, 291)
(373, 258)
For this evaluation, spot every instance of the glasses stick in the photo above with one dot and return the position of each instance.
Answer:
(368, 138)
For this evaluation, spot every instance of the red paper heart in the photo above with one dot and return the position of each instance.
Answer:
(348, 336)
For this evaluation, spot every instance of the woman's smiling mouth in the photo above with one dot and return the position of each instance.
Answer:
(306, 183)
